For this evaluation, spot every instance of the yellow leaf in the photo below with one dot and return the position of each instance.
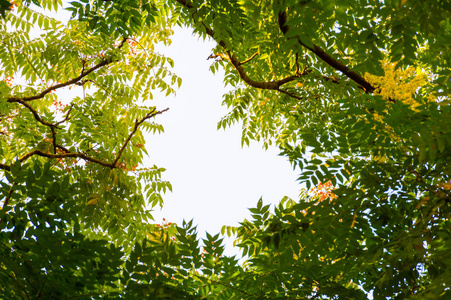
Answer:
(354, 221)
(92, 202)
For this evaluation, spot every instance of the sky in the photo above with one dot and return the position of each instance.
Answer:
(214, 179)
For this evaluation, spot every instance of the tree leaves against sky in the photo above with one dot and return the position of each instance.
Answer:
(355, 94)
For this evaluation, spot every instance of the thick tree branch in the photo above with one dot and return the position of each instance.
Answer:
(328, 59)
(53, 139)
(267, 85)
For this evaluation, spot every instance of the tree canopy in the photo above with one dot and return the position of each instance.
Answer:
(356, 94)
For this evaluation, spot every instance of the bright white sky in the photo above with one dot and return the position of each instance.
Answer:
(214, 179)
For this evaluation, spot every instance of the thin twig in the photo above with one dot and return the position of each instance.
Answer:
(67, 115)
(11, 190)
(151, 114)
(224, 284)
(249, 59)
(38, 294)
(291, 94)
(103, 63)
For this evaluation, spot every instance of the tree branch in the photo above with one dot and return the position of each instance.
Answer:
(151, 114)
(61, 85)
(103, 63)
(267, 85)
(67, 115)
(328, 59)
(84, 156)
(5, 167)
(223, 284)
(291, 94)
(11, 190)
(53, 139)
(249, 59)
(35, 113)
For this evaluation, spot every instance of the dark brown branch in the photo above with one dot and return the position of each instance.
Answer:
(62, 148)
(61, 85)
(328, 59)
(35, 113)
(5, 167)
(11, 190)
(267, 85)
(291, 94)
(53, 139)
(297, 64)
(65, 155)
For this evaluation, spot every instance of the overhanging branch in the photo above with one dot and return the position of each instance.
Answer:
(328, 59)
(267, 85)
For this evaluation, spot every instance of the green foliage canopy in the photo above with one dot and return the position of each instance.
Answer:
(355, 94)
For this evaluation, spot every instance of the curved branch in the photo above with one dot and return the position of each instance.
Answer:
(61, 85)
(328, 59)
(291, 94)
(249, 59)
(35, 113)
(10, 193)
(84, 156)
(67, 115)
(267, 85)
(65, 155)
(230, 286)
(83, 74)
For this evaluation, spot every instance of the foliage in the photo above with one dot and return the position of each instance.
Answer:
(355, 94)
(74, 198)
